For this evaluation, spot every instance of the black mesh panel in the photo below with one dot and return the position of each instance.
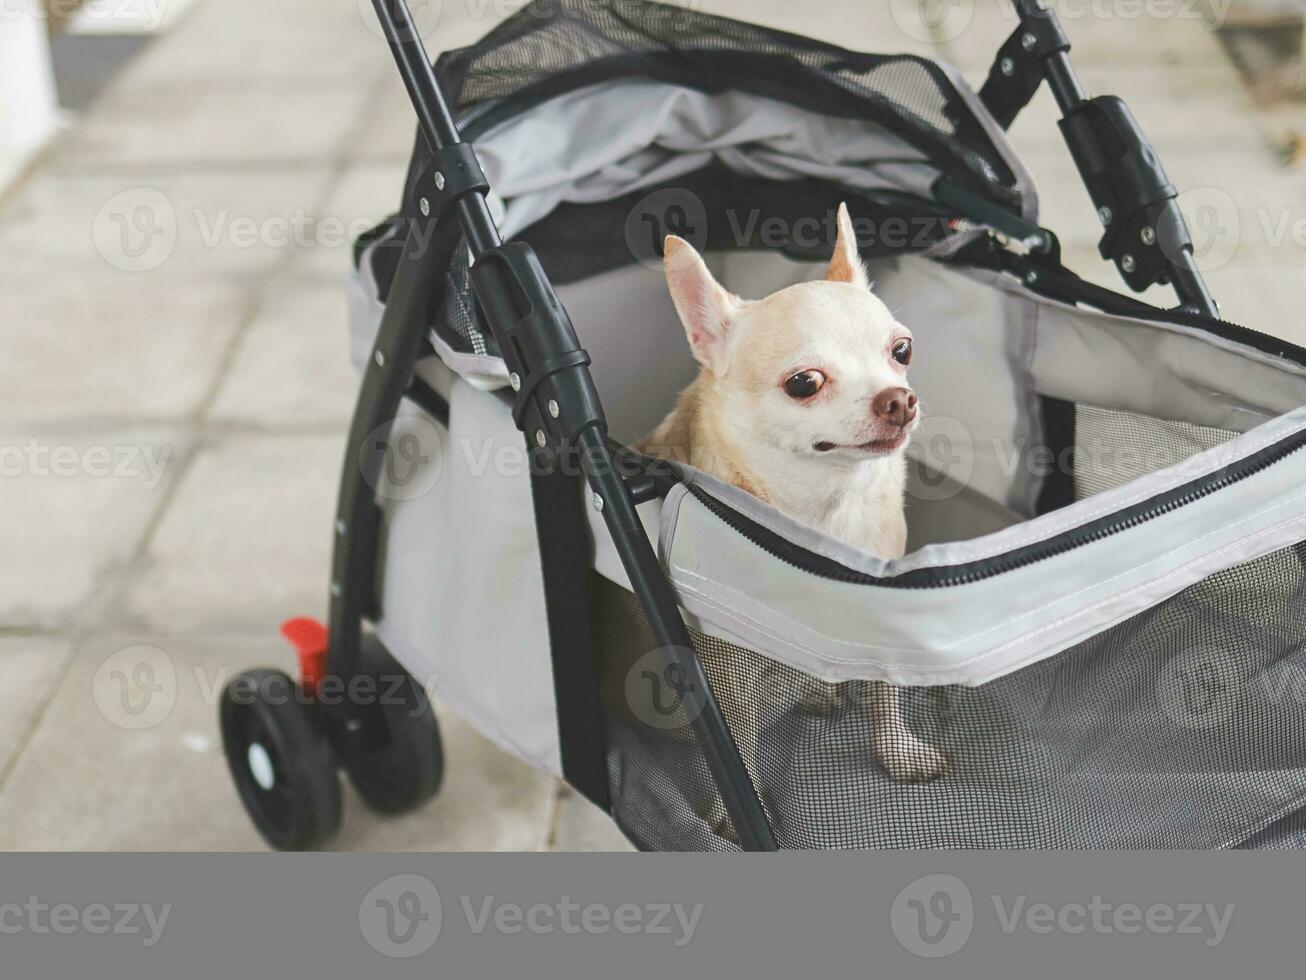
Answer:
(1179, 728)
(1113, 448)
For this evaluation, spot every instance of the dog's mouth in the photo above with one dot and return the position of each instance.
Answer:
(876, 447)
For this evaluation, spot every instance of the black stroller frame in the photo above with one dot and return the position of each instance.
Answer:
(557, 408)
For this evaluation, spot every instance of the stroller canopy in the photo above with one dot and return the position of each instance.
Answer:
(602, 127)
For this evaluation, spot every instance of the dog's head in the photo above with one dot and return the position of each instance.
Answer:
(818, 369)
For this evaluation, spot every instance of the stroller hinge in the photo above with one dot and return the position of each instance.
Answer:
(1035, 240)
(452, 172)
(1144, 232)
(555, 399)
(1019, 69)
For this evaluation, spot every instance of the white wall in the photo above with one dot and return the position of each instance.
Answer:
(28, 107)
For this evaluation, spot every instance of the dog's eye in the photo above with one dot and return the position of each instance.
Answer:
(902, 351)
(804, 384)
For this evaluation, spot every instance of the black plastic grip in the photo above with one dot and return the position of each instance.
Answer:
(539, 345)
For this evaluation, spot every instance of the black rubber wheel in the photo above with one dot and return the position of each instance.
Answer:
(393, 754)
(283, 765)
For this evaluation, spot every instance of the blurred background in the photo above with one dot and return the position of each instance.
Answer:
(179, 184)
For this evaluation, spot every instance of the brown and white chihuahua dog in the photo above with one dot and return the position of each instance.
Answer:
(803, 401)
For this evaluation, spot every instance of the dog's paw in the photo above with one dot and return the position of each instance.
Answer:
(909, 760)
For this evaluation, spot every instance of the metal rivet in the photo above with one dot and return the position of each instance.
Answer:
(341, 528)
(379, 357)
(425, 205)
(553, 408)
(1028, 42)
(514, 379)
(335, 588)
(1105, 215)
(1031, 277)
(1008, 67)
(540, 438)
(1127, 263)
(597, 501)
(1148, 234)
(439, 181)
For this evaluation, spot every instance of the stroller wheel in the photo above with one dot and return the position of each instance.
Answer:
(394, 756)
(282, 763)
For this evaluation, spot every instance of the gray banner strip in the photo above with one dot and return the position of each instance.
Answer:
(500, 916)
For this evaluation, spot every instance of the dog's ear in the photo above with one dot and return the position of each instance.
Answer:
(846, 266)
(704, 307)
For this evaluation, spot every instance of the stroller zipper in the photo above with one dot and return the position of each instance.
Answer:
(985, 568)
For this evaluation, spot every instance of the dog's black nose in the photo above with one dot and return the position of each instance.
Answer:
(897, 406)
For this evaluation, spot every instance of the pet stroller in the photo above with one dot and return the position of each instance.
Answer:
(1099, 619)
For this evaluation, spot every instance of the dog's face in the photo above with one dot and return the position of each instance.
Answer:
(818, 369)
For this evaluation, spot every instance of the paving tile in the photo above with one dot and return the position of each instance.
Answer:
(96, 776)
(73, 508)
(99, 352)
(208, 125)
(1180, 112)
(490, 801)
(31, 666)
(365, 194)
(292, 365)
(247, 539)
(153, 229)
(581, 826)
(1236, 200)
(389, 127)
(1064, 204)
(1123, 35)
(321, 43)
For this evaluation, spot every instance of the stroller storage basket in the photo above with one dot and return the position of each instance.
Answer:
(1099, 620)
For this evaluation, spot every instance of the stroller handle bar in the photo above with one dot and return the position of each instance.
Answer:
(556, 403)
(1144, 232)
